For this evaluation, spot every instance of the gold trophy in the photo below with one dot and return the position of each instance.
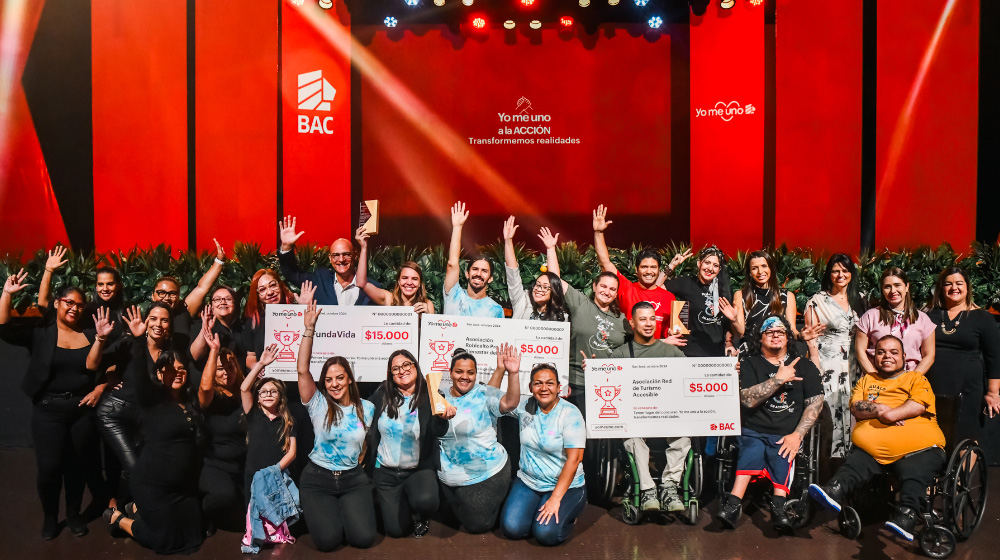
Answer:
(680, 313)
(438, 403)
(368, 217)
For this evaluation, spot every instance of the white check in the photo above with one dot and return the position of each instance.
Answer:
(537, 341)
(365, 335)
(662, 397)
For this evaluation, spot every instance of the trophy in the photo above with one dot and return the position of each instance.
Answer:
(438, 403)
(286, 339)
(368, 217)
(440, 347)
(608, 393)
(680, 313)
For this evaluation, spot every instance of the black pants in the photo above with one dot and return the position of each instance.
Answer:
(403, 492)
(222, 501)
(916, 472)
(118, 423)
(478, 505)
(66, 451)
(338, 504)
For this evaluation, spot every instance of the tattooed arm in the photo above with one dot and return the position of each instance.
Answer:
(866, 410)
(790, 444)
(751, 397)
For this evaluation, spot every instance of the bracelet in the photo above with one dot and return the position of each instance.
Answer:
(219, 261)
(310, 331)
(307, 336)
(101, 338)
(50, 270)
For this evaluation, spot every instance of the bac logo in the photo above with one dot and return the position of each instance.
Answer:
(723, 426)
(315, 94)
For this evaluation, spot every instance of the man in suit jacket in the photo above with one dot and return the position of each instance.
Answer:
(335, 287)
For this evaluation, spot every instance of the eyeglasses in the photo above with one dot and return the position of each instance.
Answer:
(776, 333)
(222, 299)
(73, 304)
(164, 294)
(263, 289)
(543, 287)
(268, 392)
(340, 255)
(405, 366)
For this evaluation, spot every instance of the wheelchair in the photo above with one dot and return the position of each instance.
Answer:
(798, 507)
(616, 473)
(955, 503)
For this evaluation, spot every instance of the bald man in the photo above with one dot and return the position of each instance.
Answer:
(332, 288)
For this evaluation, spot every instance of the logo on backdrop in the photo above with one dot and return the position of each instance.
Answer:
(726, 111)
(315, 94)
(523, 106)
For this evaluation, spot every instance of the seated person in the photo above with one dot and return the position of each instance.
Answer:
(896, 427)
(646, 345)
(781, 398)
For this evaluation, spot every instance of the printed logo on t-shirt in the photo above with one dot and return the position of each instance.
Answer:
(599, 341)
(781, 402)
(706, 317)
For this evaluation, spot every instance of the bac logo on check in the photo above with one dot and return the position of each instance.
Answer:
(722, 426)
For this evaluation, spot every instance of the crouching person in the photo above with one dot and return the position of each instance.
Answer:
(896, 428)
(781, 399)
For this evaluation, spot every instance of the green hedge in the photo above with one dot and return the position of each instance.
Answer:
(799, 270)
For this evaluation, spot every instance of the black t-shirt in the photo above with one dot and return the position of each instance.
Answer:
(708, 331)
(264, 442)
(69, 372)
(227, 448)
(781, 412)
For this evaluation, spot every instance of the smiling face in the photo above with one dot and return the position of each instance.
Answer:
(479, 275)
(708, 268)
(167, 292)
(605, 291)
(409, 282)
(648, 269)
(223, 304)
(840, 276)
(269, 395)
(158, 324)
(545, 388)
(889, 356)
(774, 339)
(463, 376)
(107, 286)
(268, 290)
(894, 290)
(342, 256)
(222, 376)
(956, 291)
(69, 308)
(644, 325)
(541, 292)
(760, 271)
(336, 383)
(404, 373)
(174, 377)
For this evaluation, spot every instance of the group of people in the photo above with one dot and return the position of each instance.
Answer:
(196, 436)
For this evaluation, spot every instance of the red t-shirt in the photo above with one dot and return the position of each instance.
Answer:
(630, 293)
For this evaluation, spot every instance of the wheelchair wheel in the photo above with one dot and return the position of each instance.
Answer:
(691, 514)
(605, 466)
(965, 489)
(849, 522)
(937, 542)
(630, 513)
(798, 512)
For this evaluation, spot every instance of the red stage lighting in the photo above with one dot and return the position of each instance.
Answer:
(479, 22)
(566, 21)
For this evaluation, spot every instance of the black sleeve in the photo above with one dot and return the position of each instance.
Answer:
(18, 334)
(675, 286)
(289, 266)
(811, 384)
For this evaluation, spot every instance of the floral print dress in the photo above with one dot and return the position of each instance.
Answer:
(838, 365)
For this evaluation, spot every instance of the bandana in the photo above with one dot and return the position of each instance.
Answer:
(772, 322)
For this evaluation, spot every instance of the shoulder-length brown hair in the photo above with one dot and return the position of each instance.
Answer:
(421, 295)
(885, 312)
(333, 413)
(937, 300)
(255, 307)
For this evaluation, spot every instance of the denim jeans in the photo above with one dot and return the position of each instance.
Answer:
(520, 513)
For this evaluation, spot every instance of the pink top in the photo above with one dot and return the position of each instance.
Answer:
(911, 334)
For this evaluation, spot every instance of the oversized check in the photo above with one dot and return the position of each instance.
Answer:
(537, 341)
(365, 335)
(662, 397)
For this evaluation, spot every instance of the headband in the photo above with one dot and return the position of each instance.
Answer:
(772, 322)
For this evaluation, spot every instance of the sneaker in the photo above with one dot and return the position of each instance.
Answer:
(902, 522)
(420, 528)
(830, 496)
(670, 500)
(730, 512)
(648, 500)
(779, 519)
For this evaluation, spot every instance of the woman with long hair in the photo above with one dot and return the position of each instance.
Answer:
(267, 288)
(966, 352)
(545, 301)
(760, 296)
(897, 315)
(221, 317)
(409, 289)
(836, 309)
(710, 297)
(62, 382)
(336, 493)
(402, 448)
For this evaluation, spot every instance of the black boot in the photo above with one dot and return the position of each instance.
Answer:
(50, 527)
(779, 520)
(729, 512)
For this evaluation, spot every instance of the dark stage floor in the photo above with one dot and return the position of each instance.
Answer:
(599, 534)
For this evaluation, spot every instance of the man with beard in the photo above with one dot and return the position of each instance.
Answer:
(897, 427)
(472, 301)
(332, 288)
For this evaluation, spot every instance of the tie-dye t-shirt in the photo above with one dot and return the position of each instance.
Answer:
(543, 439)
(458, 302)
(338, 448)
(470, 452)
(399, 445)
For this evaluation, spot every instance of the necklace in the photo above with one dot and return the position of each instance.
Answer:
(958, 321)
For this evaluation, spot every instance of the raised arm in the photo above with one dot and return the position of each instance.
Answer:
(458, 217)
(550, 241)
(54, 261)
(206, 390)
(199, 346)
(307, 386)
(383, 297)
(196, 298)
(103, 328)
(497, 378)
(511, 363)
(752, 396)
(15, 283)
(266, 358)
(509, 229)
(738, 324)
(287, 262)
(601, 223)
(675, 262)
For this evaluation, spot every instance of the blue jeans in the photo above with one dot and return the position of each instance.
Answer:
(520, 513)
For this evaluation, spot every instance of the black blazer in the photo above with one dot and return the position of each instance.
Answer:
(430, 427)
(40, 338)
(323, 278)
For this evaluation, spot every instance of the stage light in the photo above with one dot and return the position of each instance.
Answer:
(412, 2)
(326, 4)
(390, 21)
(584, 3)
(641, 3)
(613, 2)
(726, 4)
(509, 24)
(535, 24)
(756, 2)
(655, 22)
(566, 21)
(479, 22)
(467, 2)
(527, 3)
(298, 2)
(439, 2)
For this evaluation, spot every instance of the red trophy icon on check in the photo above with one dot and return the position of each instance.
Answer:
(286, 339)
(440, 347)
(608, 393)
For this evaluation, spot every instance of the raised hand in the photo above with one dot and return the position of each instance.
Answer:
(286, 231)
(362, 236)
(786, 373)
(813, 332)
(268, 356)
(727, 309)
(211, 339)
(15, 282)
(601, 222)
(311, 315)
(101, 323)
(459, 214)
(55, 259)
(547, 238)
(679, 258)
(501, 352)
(509, 228)
(511, 359)
(220, 253)
(306, 292)
(133, 319)
(207, 318)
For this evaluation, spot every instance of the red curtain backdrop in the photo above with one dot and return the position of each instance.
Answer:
(928, 71)
(140, 123)
(727, 139)
(818, 124)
